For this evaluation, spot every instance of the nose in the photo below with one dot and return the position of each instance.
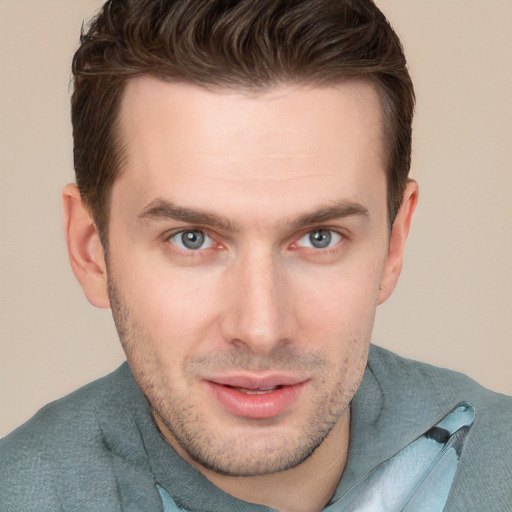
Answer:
(258, 310)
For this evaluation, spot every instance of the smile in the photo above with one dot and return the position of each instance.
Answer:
(257, 391)
(251, 399)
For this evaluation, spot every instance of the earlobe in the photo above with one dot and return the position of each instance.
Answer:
(85, 251)
(399, 233)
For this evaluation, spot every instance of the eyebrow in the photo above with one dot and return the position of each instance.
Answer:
(162, 209)
(338, 210)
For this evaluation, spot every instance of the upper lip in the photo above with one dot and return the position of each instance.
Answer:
(256, 381)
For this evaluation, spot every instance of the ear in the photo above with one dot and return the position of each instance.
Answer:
(84, 247)
(399, 232)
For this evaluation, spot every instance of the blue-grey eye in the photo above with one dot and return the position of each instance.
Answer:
(320, 239)
(191, 240)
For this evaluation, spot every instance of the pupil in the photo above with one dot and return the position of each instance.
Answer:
(320, 239)
(192, 239)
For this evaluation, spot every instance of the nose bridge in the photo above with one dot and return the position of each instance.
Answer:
(257, 312)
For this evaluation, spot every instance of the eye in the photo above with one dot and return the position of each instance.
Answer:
(319, 239)
(191, 240)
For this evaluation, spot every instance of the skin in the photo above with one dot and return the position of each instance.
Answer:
(255, 175)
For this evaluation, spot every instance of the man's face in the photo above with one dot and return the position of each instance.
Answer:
(247, 241)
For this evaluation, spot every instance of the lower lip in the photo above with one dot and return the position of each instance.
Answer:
(260, 406)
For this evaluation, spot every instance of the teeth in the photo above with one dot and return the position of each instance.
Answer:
(257, 391)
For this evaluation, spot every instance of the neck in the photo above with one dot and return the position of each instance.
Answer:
(304, 488)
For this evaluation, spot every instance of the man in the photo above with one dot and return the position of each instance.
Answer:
(242, 205)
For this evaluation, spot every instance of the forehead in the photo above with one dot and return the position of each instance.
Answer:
(282, 144)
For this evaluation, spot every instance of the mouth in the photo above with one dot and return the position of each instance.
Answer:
(256, 391)
(256, 398)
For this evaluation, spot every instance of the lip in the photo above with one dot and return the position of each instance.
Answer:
(256, 397)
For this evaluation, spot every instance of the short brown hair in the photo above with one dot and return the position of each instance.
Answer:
(238, 44)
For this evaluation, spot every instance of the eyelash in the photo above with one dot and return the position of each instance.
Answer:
(329, 232)
(201, 252)
(204, 252)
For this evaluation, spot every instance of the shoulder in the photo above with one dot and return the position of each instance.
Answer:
(431, 385)
(63, 438)
(422, 390)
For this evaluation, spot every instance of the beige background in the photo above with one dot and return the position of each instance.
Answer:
(453, 306)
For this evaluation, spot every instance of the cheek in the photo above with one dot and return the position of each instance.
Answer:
(339, 302)
(170, 304)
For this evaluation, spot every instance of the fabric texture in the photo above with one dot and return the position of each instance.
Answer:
(419, 477)
(99, 449)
